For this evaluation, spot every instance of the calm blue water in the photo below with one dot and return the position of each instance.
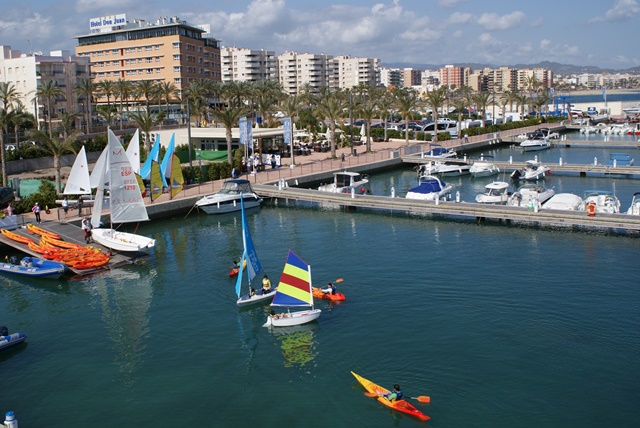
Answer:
(584, 98)
(501, 326)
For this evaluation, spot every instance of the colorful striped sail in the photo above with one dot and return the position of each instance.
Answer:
(176, 180)
(294, 288)
(156, 181)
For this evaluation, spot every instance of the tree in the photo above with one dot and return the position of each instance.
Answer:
(384, 103)
(56, 147)
(146, 122)
(367, 110)
(108, 89)
(460, 103)
(482, 100)
(406, 102)
(167, 92)
(123, 90)
(265, 96)
(330, 106)
(144, 89)
(234, 107)
(49, 91)
(9, 96)
(436, 99)
(85, 89)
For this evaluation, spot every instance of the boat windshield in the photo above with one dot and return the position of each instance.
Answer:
(236, 187)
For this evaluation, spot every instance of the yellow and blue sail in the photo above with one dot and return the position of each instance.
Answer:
(294, 288)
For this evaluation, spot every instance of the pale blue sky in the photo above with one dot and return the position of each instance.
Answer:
(603, 33)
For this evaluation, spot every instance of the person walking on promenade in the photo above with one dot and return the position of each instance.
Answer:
(65, 206)
(36, 212)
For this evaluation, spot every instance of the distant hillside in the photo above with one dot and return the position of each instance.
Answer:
(556, 67)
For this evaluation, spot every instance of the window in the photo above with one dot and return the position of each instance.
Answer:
(176, 57)
(176, 69)
(157, 47)
(176, 45)
(115, 51)
(149, 60)
(177, 81)
(148, 48)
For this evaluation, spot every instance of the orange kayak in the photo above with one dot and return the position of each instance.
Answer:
(399, 405)
(32, 228)
(318, 294)
(16, 237)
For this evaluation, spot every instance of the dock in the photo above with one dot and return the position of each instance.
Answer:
(479, 213)
(69, 233)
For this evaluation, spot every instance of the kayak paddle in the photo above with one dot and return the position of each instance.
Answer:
(421, 398)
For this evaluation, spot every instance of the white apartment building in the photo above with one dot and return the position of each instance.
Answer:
(298, 70)
(390, 77)
(27, 71)
(356, 71)
(247, 65)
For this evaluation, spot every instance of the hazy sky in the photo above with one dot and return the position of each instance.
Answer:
(603, 33)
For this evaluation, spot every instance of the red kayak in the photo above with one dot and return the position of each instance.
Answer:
(318, 294)
(233, 272)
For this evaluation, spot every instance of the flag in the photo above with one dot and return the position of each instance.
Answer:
(604, 93)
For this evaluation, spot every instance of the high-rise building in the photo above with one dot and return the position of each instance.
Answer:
(390, 77)
(27, 72)
(357, 71)
(247, 65)
(167, 50)
(411, 77)
(452, 76)
(314, 71)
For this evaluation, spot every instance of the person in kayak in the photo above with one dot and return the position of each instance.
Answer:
(266, 285)
(395, 395)
(235, 265)
(331, 289)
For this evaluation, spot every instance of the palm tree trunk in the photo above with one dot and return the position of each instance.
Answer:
(3, 158)
(56, 167)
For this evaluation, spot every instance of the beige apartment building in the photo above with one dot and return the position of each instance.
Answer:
(296, 71)
(27, 72)
(357, 71)
(167, 50)
(248, 65)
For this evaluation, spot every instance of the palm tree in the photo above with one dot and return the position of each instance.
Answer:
(86, 89)
(8, 95)
(385, 103)
(167, 92)
(123, 90)
(146, 122)
(108, 89)
(459, 103)
(436, 99)
(482, 100)
(330, 106)
(406, 102)
(49, 91)
(290, 106)
(367, 111)
(20, 118)
(234, 108)
(521, 101)
(144, 89)
(56, 148)
(265, 96)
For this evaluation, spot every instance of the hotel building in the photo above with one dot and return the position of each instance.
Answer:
(168, 50)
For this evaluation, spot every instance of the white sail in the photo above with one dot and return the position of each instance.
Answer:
(79, 182)
(99, 174)
(127, 205)
(133, 152)
(97, 203)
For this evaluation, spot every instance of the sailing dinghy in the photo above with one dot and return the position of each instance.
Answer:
(294, 290)
(252, 264)
(127, 205)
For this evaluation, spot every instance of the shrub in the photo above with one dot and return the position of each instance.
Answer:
(45, 196)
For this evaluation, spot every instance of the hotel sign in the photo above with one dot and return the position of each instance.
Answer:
(107, 21)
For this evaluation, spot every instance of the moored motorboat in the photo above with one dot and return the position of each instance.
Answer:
(564, 202)
(345, 182)
(483, 168)
(496, 193)
(530, 194)
(437, 151)
(531, 171)
(535, 142)
(34, 267)
(8, 340)
(402, 405)
(429, 188)
(605, 201)
(446, 167)
(227, 199)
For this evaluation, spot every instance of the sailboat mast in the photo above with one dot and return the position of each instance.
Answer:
(310, 288)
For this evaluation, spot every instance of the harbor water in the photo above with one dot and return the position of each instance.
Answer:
(500, 326)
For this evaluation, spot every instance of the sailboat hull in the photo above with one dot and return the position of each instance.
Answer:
(293, 318)
(122, 241)
(256, 298)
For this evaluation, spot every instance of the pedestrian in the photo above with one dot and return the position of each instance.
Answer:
(65, 206)
(80, 202)
(234, 173)
(86, 229)
(343, 157)
(9, 209)
(36, 212)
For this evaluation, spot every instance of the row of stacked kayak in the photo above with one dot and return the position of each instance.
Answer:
(56, 253)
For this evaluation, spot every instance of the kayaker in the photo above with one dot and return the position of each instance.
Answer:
(266, 285)
(252, 292)
(235, 265)
(331, 289)
(395, 395)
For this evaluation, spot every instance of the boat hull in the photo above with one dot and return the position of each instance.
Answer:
(122, 241)
(534, 148)
(226, 206)
(247, 300)
(45, 269)
(293, 318)
(402, 406)
(337, 297)
(11, 340)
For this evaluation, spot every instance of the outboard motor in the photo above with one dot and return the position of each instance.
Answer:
(14, 260)
(4, 331)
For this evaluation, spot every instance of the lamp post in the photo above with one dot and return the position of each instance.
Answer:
(351, 121)
(189, 138)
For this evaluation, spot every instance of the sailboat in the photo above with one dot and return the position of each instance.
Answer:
(133, 151)
(79, 182)
(294, 290)
(253, 266)
(176, 179)
(127, 205)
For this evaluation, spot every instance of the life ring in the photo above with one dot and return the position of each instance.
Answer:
(591, 209)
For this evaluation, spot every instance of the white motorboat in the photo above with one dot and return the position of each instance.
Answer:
(344, 181)
(632, 110)
(496, 193)
(529, 194)
(564, 202)
(531, 171)
(228, 198)
(447, 167)
(606, 202)
(634, 209)
(429, 188)
(483, 169)
(437, 151)
(535, 142)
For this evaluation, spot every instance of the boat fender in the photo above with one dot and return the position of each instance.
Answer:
(591, 209)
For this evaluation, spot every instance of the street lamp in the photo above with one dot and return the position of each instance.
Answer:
(351, 121)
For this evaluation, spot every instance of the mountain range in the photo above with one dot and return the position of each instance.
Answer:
(555, 67)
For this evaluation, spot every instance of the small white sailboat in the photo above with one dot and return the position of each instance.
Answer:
(252, 263)
(127, 205)
(294, 290)
(79, 182)
(133, 151)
